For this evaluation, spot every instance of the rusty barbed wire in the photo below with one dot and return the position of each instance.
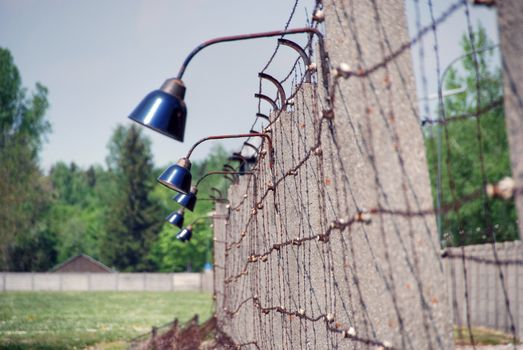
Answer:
(257, 259)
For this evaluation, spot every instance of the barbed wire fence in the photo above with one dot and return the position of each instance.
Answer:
(337, 245)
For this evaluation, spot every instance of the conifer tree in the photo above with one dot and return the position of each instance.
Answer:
(133, 219)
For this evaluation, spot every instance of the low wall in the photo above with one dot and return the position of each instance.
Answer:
(87, 282)
(486, 288)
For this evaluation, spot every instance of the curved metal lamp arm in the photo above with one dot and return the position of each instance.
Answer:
(303, 55)
(248, 37)
(268, 99)
(281, 92)
(250, 145)
(235, 136)
(217, 191)
(198, 219)
(228, 167)
(261, 115)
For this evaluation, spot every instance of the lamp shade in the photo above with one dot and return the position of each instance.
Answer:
(164, 110)
(187, 200)
(185, 234)
(177, 177)
(175, 218)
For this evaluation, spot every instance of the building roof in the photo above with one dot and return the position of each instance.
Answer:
(82, 263)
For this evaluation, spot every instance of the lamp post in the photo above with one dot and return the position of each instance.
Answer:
(164, 110)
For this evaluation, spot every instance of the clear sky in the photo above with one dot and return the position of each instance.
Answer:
(100, 57)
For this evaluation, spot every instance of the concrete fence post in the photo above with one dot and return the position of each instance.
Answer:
(510, 23)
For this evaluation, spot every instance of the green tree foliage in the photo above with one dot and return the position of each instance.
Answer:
(132, 218)
(467, 145)
(173, 255)
(25, 240)
(78, 210)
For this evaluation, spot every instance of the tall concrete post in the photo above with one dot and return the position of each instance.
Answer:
(510, 22)
(379, 141)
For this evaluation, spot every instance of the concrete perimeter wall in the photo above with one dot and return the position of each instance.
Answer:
(93, 282)
(493, 284)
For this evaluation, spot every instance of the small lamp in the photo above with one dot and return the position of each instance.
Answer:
(175, 218)
(178, 176)
(185, 234)
(187, 200)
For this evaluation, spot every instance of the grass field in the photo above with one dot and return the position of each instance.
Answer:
(68, 320)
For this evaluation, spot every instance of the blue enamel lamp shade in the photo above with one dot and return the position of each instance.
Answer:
(177, 177)
(185, 234)
(187, 200)
(164, 110)
(175, 218)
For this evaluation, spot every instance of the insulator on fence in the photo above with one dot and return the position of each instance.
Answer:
(301, 312)
(329, 317)
(319, 16)
(504, 189)
(342, 71)
(328, 114)
(350, 332)
(387, 344)
(363, 216)
(323, 238)
(312, 67)
(342, 222)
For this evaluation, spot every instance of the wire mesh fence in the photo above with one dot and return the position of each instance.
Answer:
(358, 236)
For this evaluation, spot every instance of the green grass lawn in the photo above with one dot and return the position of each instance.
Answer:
(68, 320)
(482, 336)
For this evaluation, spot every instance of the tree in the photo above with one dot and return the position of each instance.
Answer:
(471, 150)
(24, 195)
(77, 213)
(133, 220)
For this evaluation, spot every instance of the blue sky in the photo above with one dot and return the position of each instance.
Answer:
(99, 58)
